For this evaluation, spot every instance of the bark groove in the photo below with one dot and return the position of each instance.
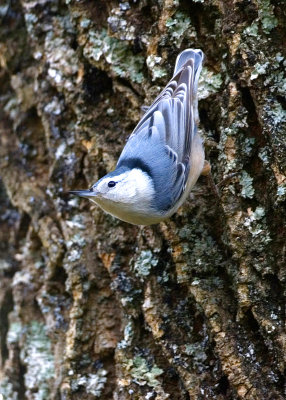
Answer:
(90, 307)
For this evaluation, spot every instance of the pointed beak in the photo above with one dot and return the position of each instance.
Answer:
(84, 193)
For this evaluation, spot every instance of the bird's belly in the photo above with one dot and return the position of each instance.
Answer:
(127, 213)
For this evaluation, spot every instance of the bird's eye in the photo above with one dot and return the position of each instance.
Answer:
(111, 184)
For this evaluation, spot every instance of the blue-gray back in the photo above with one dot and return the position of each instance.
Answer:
(161, 143)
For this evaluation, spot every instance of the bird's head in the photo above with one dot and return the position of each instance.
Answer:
(123, 190)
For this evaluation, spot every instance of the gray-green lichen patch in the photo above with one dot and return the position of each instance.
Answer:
(61, 58)
(281, 192)
(153, 64)
(179, 27)
(264, 155)
(164, 277)
(266, 18)
(259, 69)
(128, 336)
(275, 114)
(7, 391)
(247, 190)
(197, 352)
(274, 118)
(234, 148)
(268, 72)
(120, 27)
(257, 226)
(74, 255)
(78, 221)
(54, 107)
(142, 374)
(31, 20)
(74, 246)
(272, 72)
(92, 383)
(37, 356)
(251, 30)
(14, 332)
(144, 263)
(266, 15)
(238, 123)
(77, 239)
(200, 250)
(4, 266)
(209, 83)
(116, 53)
(247, 146)
(12, 107)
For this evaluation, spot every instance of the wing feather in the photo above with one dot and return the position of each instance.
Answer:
(170, 122)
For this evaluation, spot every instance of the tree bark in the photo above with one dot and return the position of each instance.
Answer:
(91, 307)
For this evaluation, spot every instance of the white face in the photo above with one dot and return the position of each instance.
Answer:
(132, 187)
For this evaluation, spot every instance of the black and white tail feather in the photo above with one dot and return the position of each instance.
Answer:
(172, 120)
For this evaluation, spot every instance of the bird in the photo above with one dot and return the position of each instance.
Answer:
(163, 157)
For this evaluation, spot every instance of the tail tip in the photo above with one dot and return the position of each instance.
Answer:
(196, 54)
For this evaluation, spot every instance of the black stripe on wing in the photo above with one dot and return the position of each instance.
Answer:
(172, 114)
(178, 177)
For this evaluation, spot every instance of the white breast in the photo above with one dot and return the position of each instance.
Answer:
(132, 199)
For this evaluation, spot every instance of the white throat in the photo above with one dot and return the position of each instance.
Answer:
(131, 200)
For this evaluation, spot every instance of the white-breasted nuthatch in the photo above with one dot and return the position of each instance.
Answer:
(163, 157)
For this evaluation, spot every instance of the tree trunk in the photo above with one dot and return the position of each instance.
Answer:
(91, 307)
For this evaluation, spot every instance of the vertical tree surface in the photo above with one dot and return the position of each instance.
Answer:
(91, 307)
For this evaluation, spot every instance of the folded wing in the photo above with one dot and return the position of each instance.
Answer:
(163, 137)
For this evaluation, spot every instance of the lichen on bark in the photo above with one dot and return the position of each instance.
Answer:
(91, 307)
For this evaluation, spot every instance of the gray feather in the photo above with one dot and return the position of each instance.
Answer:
(162, 140)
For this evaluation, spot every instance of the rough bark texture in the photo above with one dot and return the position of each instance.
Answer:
(90, 307)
